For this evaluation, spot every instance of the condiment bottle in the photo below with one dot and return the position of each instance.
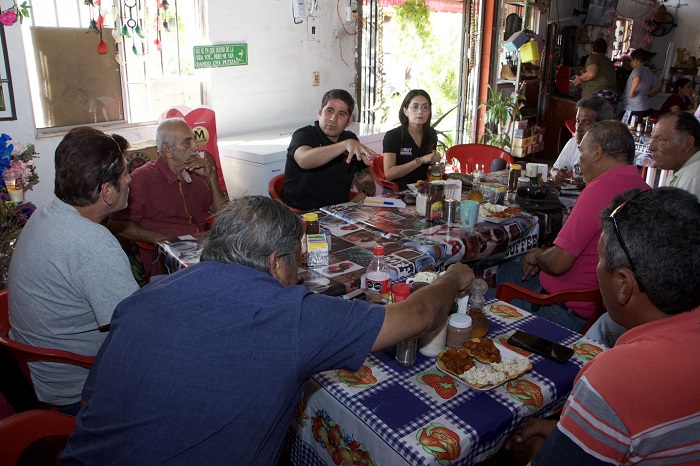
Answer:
(480, 323)
(422, 200)
(312, 226)
(436, 202)
(435, 172)
(459, 330)
(513, 175)
(378, 279)
(523, 181)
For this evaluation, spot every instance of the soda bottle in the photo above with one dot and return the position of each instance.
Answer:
(480, 323)
(378, 279)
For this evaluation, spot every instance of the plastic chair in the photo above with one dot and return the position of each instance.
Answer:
(469, 155)
(274, 188)
(377, 167)
(24, 354)
(509, 291)
(19, 431)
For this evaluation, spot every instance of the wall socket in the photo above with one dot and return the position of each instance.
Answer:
(316, 78)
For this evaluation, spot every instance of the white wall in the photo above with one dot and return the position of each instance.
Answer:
(274, 90)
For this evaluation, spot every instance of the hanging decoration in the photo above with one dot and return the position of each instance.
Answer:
(96, 24)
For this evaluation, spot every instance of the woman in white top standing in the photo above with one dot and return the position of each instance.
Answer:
(641, 85)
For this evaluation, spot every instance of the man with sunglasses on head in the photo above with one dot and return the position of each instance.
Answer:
(68, 272)
(607, 152)
(637, 402)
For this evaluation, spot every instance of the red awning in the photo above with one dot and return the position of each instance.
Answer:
(451, 6)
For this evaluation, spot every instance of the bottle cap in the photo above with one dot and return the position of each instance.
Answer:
(311, 217)
(459, 321)
(523, 179)
(515, 166)
(378, 250)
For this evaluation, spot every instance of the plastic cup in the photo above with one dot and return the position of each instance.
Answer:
(469, 211)
(400, 292)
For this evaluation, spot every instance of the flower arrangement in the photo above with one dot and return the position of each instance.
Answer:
(19, 158)
(10, 16)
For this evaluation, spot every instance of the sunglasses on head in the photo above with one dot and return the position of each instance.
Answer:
(613, 216)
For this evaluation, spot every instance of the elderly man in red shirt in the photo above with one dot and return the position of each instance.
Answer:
(171, 195)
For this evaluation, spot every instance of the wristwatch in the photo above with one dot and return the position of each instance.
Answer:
(418, 162)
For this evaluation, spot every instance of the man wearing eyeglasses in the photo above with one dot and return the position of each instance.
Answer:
(607, 153)
(636, 402)
(675, 145)
(68, 272)
(324, 160)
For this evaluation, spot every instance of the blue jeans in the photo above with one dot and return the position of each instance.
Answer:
(512, 272)
(605, 331)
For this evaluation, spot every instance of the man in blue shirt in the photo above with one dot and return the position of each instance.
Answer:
(206, 366)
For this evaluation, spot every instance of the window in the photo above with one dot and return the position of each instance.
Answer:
(147, 64)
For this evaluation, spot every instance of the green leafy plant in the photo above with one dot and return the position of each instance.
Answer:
(501, 111)
(417, 14)
(445, 138)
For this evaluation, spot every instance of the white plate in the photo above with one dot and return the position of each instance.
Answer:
(412, 187)
(505, 354)
(495, 220)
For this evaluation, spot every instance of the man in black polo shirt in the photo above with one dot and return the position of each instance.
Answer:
(324, 160)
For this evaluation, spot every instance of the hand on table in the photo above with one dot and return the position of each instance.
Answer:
(355, 149)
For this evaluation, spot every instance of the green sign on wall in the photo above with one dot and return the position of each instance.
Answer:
(217, 56)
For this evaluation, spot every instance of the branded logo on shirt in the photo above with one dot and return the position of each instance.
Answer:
(406, 151)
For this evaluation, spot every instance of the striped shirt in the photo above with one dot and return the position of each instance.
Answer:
(636, 402)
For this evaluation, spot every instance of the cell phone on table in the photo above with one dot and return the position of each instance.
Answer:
(538, 345)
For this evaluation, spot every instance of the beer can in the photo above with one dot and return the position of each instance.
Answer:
(450, 209)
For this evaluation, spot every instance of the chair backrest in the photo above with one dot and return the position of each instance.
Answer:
(655, 177)
(24, 354)
(470, 155)
(20, 430)
(509, 291)
(274, 187)
(377, 167)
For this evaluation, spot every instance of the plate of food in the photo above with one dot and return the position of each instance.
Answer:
(495, 213)
(482, 364)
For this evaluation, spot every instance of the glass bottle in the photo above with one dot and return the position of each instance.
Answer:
(434, 172)
(378, 279)
(480, 323)
(436, 202)
(312, 226)
(513, 175)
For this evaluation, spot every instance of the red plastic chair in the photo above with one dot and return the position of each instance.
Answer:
(24, 354)
(377, 167)
(19, 431)
(274, 188)
(509, 291)
(469, 155)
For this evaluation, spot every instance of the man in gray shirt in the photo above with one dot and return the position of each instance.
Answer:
(68, 272)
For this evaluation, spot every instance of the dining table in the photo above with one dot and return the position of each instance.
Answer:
(387, 414)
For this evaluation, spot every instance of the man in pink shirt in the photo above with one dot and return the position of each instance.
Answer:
(607, 153)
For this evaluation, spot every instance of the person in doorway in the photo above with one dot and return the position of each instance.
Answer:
(588, 112)
(68, 272)
(683, 99)
(409, 148)
(324, 161)
(641, 84)
(599, 77)
(637, 402)
(607, 152)
(207, 366)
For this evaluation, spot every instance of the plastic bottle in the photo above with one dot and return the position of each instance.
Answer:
(513, 175)
(435, 172)
(422, 200)
(459, 330)
(378, 279)
(480, 323)
(436, 202)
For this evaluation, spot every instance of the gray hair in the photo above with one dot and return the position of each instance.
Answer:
(167, 134)
(602, 108)
(661, 229)
(251, 228)
(614, 138)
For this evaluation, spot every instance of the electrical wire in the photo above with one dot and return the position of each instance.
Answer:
(342, 23)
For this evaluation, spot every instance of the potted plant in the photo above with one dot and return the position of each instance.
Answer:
(501, 111)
